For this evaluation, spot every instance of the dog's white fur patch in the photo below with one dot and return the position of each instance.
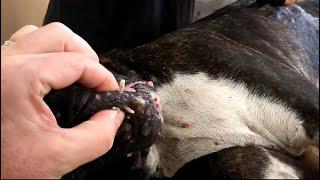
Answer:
(279, 170)
(220, 114)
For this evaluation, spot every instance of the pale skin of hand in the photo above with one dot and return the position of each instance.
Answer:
(32, 143)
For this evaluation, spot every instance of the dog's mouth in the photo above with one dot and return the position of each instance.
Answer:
(143, 121)
(143, 115)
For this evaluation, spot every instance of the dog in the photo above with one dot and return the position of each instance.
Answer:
(239, 92)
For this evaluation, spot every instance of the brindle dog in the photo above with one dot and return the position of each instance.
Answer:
(239, 94)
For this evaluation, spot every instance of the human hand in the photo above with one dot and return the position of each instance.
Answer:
(32, 143)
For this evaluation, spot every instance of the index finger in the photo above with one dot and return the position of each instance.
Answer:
(54, 37)
(59, 70)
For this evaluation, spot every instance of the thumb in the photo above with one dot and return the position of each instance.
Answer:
(92, 138)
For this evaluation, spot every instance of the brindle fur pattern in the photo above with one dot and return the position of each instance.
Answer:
(238, 43)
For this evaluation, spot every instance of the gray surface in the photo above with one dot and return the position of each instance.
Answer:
(203, 8)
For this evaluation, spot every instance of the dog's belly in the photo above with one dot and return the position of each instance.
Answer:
(219, 115)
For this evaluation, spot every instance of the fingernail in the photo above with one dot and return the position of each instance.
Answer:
(119, 116)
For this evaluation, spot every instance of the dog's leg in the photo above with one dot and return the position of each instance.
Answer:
(256, 163)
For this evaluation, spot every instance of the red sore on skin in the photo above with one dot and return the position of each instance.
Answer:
(179, 120)
(188, 91)
(185, 125)
(129, 89)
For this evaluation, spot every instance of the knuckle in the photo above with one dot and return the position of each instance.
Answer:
(57, 25)
(30, 26)
(22, 31)
(14, 37)
(59, 28)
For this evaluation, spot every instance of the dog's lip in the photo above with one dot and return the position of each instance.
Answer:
(129, 89)
(154, 96)
(157, 104)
